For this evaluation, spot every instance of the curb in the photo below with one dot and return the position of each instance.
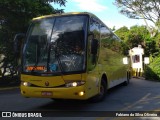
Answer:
(8, 88)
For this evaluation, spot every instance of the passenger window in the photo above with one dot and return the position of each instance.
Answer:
(94, 38)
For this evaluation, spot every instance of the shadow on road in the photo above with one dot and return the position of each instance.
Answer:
(77, 105)
(139, 95)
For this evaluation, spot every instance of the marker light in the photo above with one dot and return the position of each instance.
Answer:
(81, 93)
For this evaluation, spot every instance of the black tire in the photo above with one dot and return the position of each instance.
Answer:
(103, 90)
(128, 79)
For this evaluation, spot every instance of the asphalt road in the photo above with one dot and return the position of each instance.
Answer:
(139, 95)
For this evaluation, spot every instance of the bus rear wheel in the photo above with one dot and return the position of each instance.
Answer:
(102, 94)
(128, 79)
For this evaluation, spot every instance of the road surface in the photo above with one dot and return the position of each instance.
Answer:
(139, 95)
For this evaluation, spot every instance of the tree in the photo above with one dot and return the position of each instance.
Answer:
(15, 17)
(133, 36)
(122, 33)
(141, 9)
(138, 35)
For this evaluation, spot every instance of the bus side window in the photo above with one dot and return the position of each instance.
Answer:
(94, 38)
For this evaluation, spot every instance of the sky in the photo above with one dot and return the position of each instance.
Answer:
(103, 9)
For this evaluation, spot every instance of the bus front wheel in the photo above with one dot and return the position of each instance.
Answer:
(102, 93)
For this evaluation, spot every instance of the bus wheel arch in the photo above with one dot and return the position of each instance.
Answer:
(104, 78)
(103, 90)
(103, 85)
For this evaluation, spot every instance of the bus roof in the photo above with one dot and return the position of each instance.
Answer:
(64, 14)
(72, 13)
(69, 13)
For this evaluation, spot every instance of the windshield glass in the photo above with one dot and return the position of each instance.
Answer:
(56, 45)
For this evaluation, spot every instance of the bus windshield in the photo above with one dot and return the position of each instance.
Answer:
(56, 44)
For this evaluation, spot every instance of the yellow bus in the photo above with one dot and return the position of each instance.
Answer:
(71, 56)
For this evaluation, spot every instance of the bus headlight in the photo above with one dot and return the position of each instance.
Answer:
(75, 84)
(25, 83)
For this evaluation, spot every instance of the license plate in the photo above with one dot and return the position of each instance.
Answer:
(47, 93)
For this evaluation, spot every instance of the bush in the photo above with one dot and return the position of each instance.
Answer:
(152, 71)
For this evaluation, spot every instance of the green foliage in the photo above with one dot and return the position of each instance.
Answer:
(151, 49)
(122, 33)
(15, 15)
(152, 71)
(134, 39)
(158, 24)
(136, 35)
(139, 35)
(157, 40)
(141, 30)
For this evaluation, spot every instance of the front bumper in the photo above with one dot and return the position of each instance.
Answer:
(61, 92)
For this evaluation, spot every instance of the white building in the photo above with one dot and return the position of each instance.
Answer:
(136, 55)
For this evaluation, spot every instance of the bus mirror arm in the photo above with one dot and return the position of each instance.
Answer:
(18, 40)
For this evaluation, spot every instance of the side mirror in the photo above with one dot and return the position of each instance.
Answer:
(146, 60)
(18, 42)
(94, 46)
(125, 60)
